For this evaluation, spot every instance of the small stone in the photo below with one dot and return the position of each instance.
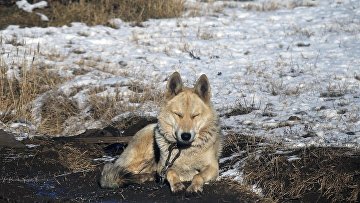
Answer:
(319, 108)
(303, 44)
(294, 118)
(341, 111)
(269, 114)
(301, 113)
(309, 134)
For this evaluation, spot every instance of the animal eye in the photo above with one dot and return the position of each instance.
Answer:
(195, 115)
(180, 115)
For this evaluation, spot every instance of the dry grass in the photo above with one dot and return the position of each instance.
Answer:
(205, 34)
(242, 146)
(55, 110)
(92, 12)
(22, 83)
(11, 15)
(235, 143)
(106, 108)
(17, 93)
(272, 5)
(325, 174)
(74, 159)
(242, 107)
(302, 175)
(144, 93)
(335, 90)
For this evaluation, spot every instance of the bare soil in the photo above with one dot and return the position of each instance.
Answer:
(63, 170)
(67, 169)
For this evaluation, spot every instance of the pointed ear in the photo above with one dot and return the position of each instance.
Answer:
(174, 85)
(202, 88)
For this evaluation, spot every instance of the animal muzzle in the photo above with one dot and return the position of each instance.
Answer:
(185, 138)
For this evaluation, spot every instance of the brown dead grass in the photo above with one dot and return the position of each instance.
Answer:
(234, 143)
(247, 195)
(319, 175)
(106, 108)
(92, 12)
(322, 174)
(55, 110)
(74, 159)
(144, 93)
(17, 94)
(11, 15)
(242, 107)
(272, 5)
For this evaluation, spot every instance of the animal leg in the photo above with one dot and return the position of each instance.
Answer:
(174, 181)
(206, 175)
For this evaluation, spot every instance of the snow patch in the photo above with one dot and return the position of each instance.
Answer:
(26, 6)
(299, 72)
(105, 159)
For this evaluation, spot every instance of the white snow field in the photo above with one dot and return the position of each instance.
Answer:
(294, 65)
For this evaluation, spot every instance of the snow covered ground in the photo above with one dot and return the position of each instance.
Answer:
(297, 64)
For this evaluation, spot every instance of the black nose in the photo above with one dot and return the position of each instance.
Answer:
(185, 136)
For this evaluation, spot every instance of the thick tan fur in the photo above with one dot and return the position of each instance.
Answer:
(187, 120)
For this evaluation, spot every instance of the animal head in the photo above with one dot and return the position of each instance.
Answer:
(187, 115)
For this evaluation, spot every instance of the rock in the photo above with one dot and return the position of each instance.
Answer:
(294, 118)
(269, 114)
(309, 134)
(301, 113)
(342, 111)
(319, 108)
(303, 44)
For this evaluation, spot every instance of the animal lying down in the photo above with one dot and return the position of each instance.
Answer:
(184, 145)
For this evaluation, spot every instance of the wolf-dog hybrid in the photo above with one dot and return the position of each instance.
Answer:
(184, 145)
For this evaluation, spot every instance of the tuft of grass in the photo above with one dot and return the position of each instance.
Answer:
(302, 31)
(235, 143)
(205, 35)
(105, 108)
(144, 93)
(74, 159)
(55, 110)
(11, 15)
(242, 108)
(335, 90)
(273, 5)
(17, 92)
(324, 174)
(92, 12)
(275, 87)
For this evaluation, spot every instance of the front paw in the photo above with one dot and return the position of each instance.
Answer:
(194, 189)
(177, 187)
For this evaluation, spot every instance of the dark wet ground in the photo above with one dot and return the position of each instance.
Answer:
(67, 169)
(61, 170)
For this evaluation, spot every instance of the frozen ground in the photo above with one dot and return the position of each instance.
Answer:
(296, 65)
